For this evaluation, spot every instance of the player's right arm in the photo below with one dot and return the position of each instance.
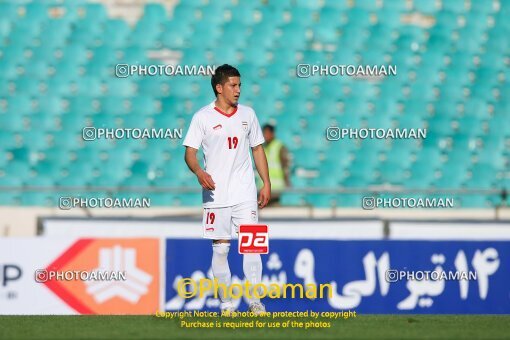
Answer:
(203, 177)
(192, 142)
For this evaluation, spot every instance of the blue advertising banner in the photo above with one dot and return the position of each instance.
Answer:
(397, 277)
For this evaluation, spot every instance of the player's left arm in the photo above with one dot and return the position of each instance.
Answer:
(259, 156)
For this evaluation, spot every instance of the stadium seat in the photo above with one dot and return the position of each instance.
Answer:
(6, 86)
(472, 201)
(304, 16)
(245, 11)
(27, 85)
(456, 6)
(292, 199)
(57, 76)
(424, 6)
(441, 125)
(113, 105)
(10, 197)
(67, 139)
(42, 123)
(8, 141)
(120, 87)
(321, 200)
(60, 84)
(145, 34)
(117, 32)
(452, 175)
(430, 155)
(8, 10)
(134, 55)
(95, 12)
(162, 199)
(420, 177)
(189, 200)
(18, 168)
(10, 122)
(484, 7)
(20, 104)
(392, 172)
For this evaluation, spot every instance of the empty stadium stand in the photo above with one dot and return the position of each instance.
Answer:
(57, 75)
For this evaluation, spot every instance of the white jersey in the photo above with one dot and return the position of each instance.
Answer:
(226, 141)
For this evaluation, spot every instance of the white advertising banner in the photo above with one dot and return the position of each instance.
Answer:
(450, 230)
(20, 293)
(80, 276)
(189, 228)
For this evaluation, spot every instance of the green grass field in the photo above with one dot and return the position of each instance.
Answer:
(150, 327)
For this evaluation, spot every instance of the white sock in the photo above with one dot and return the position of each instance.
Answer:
(252, 267)
(221, 270)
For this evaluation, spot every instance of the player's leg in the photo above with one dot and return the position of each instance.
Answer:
(216, 222)
(252, 267)
(221, 272)
(247, 213)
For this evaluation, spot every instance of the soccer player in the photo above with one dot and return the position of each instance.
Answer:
(226, 131)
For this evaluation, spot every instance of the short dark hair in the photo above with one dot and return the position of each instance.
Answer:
(221, 75)
(269, 127)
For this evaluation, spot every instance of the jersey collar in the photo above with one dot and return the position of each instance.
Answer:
(224, 113)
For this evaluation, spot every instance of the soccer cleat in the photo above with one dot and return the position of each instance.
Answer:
(257, 308)
(227, 309)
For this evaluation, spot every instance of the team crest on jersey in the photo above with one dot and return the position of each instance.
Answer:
(217, 127)
(245, 126)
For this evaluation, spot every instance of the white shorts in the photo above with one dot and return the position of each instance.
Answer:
(222, 223)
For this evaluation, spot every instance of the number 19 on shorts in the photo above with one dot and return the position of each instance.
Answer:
(253, 239)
